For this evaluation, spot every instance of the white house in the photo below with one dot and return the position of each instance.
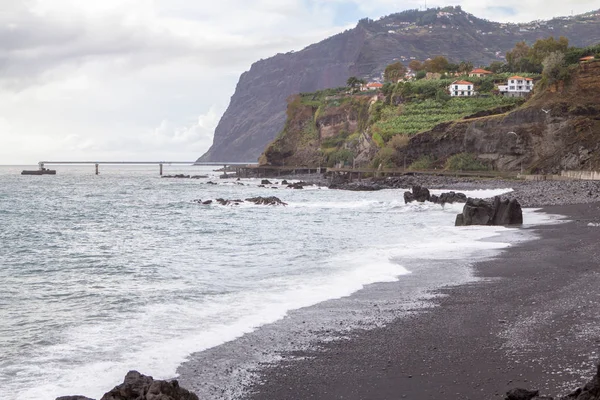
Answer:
(371, 86)
(517, 86)
(479, 72)
(461, 89)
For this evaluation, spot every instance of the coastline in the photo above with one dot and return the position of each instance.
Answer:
(530, 321)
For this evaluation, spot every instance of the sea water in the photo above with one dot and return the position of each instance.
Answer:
(103, 274)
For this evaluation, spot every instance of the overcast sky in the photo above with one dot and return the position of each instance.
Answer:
(149, 79)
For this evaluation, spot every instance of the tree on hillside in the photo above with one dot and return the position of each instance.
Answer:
(497, 66)
(437, 64)
(465, 67)
(394, 72)
(554, 67)
(416, 65)
(517, 54)
(354, 83)
(542, 48)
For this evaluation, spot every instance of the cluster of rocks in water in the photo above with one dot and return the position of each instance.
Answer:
(476, 211)
(422, 194)
(265, 201)
(183, 176)
(141, 387)
(590, 391)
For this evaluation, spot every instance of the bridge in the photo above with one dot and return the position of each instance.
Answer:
(160, 164)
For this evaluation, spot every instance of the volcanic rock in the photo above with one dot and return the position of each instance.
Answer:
(500, 212)
(141, 387)
(267, 201)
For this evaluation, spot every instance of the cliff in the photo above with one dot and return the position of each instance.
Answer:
(256, 113)
(554, 130)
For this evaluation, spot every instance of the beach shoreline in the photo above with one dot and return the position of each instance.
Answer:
(530, 321)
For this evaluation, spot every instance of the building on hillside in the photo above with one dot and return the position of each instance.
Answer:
(586, 59)
(479, 73)
(371, 86)
(461, 89)
(516, 86)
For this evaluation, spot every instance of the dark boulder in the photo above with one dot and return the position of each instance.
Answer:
(267, 201)
(141, 387)
(450, 198)
(207, 202)
(211, 183)
(73, 398)
(507, 212)
(284, 182)
(521, 394)
(199, 176)
(499, 212)
(297, 185)
(265, 182)
(419, 193)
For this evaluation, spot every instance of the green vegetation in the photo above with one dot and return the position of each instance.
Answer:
(418, 116)
(465, 162)
(422, 164)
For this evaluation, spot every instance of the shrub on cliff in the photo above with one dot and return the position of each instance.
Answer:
(385, 158)
(465, 162)
(422, 164)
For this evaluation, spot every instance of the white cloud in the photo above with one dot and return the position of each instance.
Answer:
(140, 78)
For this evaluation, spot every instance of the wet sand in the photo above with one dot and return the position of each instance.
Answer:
(531, 321)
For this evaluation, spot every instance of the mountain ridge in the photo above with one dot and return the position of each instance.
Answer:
(256, 113)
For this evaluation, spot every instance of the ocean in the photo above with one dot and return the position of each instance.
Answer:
(103, 274)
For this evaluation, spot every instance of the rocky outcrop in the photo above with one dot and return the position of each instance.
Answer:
(422, 194)
(256, 113)
(418, 193)
(177, 176)
(591, 391)
(141, 387)
(499, 212)
(266, 201)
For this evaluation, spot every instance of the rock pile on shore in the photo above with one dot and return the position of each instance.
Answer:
(141, 387)
(591, 391)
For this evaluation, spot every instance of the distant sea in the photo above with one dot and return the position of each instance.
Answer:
(103, 274)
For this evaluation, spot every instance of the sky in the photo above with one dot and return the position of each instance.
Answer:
(150, 79)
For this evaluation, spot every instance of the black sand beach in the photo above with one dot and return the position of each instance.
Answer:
(531, 322)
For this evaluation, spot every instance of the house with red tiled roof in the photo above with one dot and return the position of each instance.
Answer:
(462, 89)
(516, 86)
(479, 73)
(586, 59)
(371, 86)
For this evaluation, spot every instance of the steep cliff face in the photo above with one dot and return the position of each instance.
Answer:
(558, 129)
(256, 113)
(314, 131)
